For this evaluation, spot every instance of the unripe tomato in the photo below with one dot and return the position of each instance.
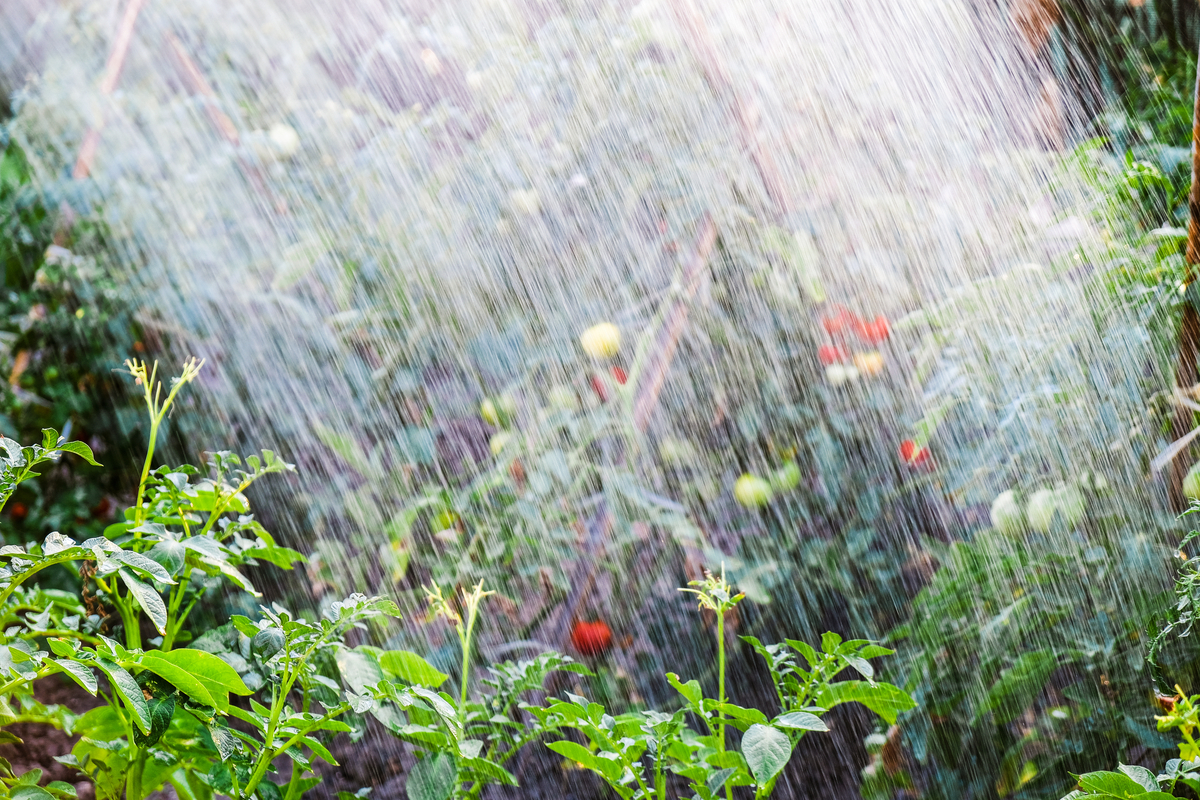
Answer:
(678, 452)
(786, 477)
(499, 411)
(1066, 501)
(1007, 515)
(837, 374)
(875, 331)
(562, 398)
(1191, 483)
(869, 364)
(498, 442)
(591, 638)
(489, 412)
(752, 491)
(601, 341)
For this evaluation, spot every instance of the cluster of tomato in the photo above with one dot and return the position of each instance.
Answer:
(916, 456)
(853, 352)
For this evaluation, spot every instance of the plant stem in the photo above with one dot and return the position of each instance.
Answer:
(139, 514)
(465, 639)
(721, 690)
(268, 752)
(721, 680)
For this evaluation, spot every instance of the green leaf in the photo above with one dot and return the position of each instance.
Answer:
(861, 666)
(183, 680)
(1017, 686)
(1142, 775)
(608, 768)
(690, 691)
(80, 449)
(745, 716)
(208, 668)
(884, 699)
(358, 669)
(1111, 783)
(767, 751)
(150, 601)
(78, 673)
(432, 778)
(718, 778)
(800, 721)
(144, 564)
(830, 641)
(411, 668)
(128, 688)
(489, 770)
(27, 792)
(161, 709)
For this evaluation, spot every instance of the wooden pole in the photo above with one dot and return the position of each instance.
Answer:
(745, 111)
(112, 73)
(654, 374)
(1189, 326)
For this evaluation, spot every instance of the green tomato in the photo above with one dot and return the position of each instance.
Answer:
(499, 411)
(562, 398)
(677, 452)
(1045, 503)
(499, 441)
(752, 491)
(786, 477)
(489, 412)
(1191, 482)
(1071, 505)
(1007, 515)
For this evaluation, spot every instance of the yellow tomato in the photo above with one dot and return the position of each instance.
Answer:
(869, 364)
(752, 491)
(601, 341)
(499, 442)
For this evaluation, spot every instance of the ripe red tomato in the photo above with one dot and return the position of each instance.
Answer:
(620, 375)
(914, 455)
(840, 322)
(591, 638)
(875, 331)
(18, 511)
(828, 355)
(599, 388)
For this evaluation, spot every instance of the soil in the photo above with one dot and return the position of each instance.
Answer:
(41, 743)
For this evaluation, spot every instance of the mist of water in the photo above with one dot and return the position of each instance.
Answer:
(369, 216)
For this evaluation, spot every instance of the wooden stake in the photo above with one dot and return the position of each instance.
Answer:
(112, 73)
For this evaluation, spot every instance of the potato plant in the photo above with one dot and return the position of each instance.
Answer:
(635, 753)
(166, 708)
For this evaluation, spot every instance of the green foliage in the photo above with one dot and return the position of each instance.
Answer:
(165, 715)
(634, 753)
(63, 322)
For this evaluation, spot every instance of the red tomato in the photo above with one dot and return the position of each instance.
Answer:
(591, 638)
(18, 511)
(874, 332)
(840, 322)
(828, 355)
(914, 455)
(600, 389)
(620, 375)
